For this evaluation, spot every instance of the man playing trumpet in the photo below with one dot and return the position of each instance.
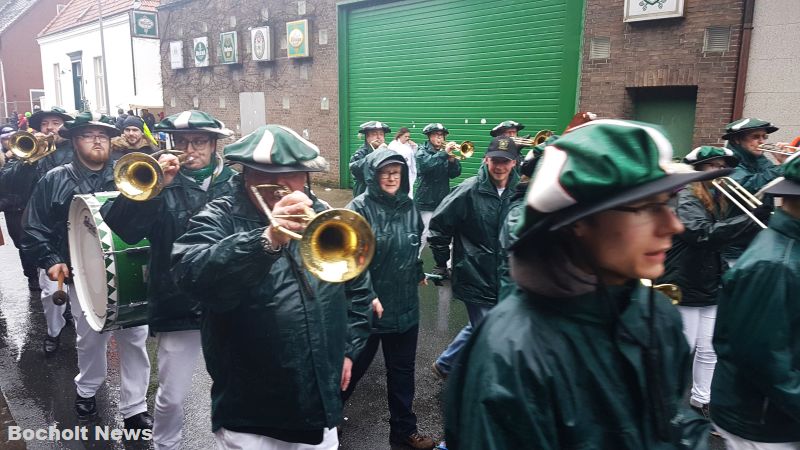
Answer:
(374, 133)
(278, 342)
(173, 314)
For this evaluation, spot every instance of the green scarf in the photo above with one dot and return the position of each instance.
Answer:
(200, 175)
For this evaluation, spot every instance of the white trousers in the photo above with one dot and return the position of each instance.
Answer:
(426, 220)
(92, 364)
(53, 315)
(734, 442)
(178, 353)
(698, 326)
(232, 440)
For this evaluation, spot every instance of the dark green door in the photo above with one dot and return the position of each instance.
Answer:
(673, 109)
(77, 85)
(468, 64)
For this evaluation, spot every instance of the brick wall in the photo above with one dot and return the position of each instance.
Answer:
(303, 82)
(667, 52)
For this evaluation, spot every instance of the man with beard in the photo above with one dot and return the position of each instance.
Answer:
(45, 241)
(133, 139)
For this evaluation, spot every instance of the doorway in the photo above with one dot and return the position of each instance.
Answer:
(672, 108)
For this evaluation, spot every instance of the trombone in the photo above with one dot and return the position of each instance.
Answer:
(29, 148)
(462, 151)
(337, 244)
(140, 176)
(739, 196)
(540, 138)
(786, 150)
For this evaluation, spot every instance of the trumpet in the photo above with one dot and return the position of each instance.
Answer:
(379, 146)
(30, 148)
(337, 245)
(462, 151)
(739, 196)
(140, 176)
(540, 138)
(786, 150)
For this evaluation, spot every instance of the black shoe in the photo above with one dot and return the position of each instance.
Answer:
(414, 440)
(85, 407)
(51, 344)
(141, 421)
(33, 285)
(703, 411)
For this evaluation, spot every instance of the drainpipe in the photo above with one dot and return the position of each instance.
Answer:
(5, 96)
(744, 57)
(103, 52)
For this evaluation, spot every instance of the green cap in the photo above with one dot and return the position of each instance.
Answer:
(597, 166)
(86, 119)
(35, 120)
(706, 153)
(505, 125)
(431, 127)
(193, 120)
(374, 125)
(747, 124)
(276, 149)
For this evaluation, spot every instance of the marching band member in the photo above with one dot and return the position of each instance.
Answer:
(173, 314)
(754, 170)
(17, 180)
(755, 401)
(132, 139)
(277, 341)
(45, 240)
(695, 263)
(436, 165)
(396, 271)
(581, 354)
(470, 218)
(374, 136)
(506, 128)
(403, 145)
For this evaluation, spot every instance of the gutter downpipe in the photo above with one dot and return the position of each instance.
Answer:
(103, 52)
(744, 57)
(5, 95)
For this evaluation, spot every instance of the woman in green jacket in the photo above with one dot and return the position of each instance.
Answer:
(580, 354)
(396, 271)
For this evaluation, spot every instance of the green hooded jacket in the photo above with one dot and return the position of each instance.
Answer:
(357, 169)
(161, 220)
(567, 373)
(471, 217)
(755, 393)
(434, 172)
(274, 336)
(18, 179)
(396, 269)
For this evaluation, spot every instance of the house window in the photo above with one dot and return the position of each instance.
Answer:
(98, 83)
(57, 80)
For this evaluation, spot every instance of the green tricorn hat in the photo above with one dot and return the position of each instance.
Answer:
(789, 184)
(598, 166)
(505, 125)
(374, 125)
(35, 120)
(193, 120)
(276, 149)
(431, 127)
(747, 124)
(88, 119)
(706, 153)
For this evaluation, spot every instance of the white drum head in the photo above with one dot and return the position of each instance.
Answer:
(88, 263)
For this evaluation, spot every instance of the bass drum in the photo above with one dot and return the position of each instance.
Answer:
(110, 276)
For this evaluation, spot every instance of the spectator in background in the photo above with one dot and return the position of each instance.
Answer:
(149, 119)
(403, 144)
(121, 116)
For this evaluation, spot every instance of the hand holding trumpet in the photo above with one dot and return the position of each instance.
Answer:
(292, 213)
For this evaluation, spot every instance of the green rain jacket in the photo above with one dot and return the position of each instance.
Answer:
(18, 179)
(433, 174)
(755, 393)
(695, 262)
(396, 269)
(567, 373)
(471, 217)
(161, 220)
(357, 169)
(274, 336)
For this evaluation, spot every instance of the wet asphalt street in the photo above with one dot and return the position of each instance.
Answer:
(40, 391)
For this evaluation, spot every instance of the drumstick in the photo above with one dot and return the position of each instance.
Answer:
(59, 296)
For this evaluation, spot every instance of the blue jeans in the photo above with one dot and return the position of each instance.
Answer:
(447, 359)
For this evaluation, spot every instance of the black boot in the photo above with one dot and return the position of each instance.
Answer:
(141, 421)
(51, 344)
(85, 407)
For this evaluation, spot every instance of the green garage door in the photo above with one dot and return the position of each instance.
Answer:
(468, 64)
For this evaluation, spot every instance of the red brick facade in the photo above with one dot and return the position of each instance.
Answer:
(303, 82)
(667, 52)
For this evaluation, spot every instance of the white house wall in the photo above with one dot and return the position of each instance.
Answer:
(772, 90)
(119, 65)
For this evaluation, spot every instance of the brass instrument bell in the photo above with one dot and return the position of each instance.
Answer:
(140, 176)
(30, 148)
(465, 150)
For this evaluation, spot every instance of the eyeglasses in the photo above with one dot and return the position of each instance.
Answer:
(388, 175)
(93, 137)
(183, 144)
(649, 211)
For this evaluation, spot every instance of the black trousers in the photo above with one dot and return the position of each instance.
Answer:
(399, 353)
(14, 222)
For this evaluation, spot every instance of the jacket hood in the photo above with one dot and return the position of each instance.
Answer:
(374, 160)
